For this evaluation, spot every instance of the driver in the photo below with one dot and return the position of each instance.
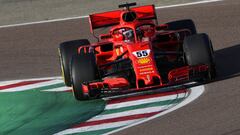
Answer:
(128, 35)
(140, 33)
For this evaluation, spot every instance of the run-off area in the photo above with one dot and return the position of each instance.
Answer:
(46, 106)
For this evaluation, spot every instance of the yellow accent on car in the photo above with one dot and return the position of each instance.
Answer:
(61, 64)
(117, 51)
(144, 60)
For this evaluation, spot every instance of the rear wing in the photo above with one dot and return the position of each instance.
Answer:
(111, 18)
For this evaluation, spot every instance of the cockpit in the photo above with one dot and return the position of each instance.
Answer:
(140, 33)
(125, 34)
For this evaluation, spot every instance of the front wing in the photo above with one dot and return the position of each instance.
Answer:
(118, 86)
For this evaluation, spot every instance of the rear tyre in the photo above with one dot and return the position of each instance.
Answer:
(83, 70)
(198, 50)
(66, 51)
(183, 24)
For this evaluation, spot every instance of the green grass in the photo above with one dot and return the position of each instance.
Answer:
(35, 112)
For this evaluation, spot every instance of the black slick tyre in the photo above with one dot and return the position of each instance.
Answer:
(198, 50)
(66, 51)
(83, 70)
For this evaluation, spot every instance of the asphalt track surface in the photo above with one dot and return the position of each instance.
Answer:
(31, 51)
(22, 11)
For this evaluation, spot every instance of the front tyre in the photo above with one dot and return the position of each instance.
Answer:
(83, 70)
(66, 51)
(198, 50)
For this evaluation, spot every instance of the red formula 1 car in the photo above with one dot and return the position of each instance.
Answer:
(136, 54)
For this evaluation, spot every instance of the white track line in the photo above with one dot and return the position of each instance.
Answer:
(2, 83)
(31, 86)
(31, 79)
(195, 92)
(9, 82)
(97, 127)
(188, 4)
(58, 89)
(144, 101)
(131, 112)
(79, 17)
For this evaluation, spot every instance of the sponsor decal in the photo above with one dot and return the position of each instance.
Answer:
(144, 60)
(142, 53)
(148, 72)
(146, 69)
(145, 66)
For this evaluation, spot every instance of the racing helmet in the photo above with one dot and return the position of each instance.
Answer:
(128, 35)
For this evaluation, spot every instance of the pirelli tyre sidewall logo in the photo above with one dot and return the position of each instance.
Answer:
(142, 56)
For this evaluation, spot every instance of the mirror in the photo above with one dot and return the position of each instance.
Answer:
(162, 27)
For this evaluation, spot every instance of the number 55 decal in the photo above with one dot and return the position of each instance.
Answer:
(142, 53)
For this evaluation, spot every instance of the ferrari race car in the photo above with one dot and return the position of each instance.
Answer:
(136, 54)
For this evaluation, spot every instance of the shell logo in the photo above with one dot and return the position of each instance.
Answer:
(144, 60)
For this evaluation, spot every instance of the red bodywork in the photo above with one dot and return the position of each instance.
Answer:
(111, 18)
(147, 41)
